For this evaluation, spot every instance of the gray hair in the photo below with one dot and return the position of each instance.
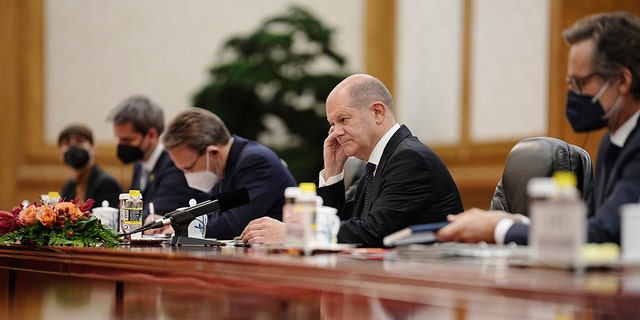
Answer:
(365, 89)
(616, 39)
(197, 129)
(143, 113)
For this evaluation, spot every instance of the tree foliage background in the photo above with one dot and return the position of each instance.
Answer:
(271, 85)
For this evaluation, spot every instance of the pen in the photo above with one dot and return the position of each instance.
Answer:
(152, 211)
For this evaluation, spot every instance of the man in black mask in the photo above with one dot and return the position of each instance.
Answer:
(138, 123)
(604, 91)
(76, 149)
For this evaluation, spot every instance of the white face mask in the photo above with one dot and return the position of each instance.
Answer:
(202, 180)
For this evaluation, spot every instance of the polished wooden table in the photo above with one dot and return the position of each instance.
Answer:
(185, 282)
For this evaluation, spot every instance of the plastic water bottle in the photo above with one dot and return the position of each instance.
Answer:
(558, 220)
(121, 204)
(293, 227)
(133, 213)
(305, 210)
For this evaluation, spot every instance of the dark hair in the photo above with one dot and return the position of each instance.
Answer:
(75, 130)
(141, 111)
(616, 39)
(197, 129)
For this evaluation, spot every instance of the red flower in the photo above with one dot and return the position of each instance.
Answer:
(86, 207)
(7, 222)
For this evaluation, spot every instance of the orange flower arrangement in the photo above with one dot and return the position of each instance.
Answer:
(62, 223)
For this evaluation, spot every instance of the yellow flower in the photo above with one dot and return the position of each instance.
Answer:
(47, 216)
(27, 217)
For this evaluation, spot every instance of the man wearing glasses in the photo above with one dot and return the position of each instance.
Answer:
(213, 160)
(604, 91)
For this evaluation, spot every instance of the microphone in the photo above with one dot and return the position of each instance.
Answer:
(225, 201)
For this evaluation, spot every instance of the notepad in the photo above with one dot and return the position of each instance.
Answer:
(418, 233)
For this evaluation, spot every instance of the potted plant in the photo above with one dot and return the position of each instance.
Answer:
(271, 84)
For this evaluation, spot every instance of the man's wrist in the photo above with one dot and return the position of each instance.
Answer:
(501, 229)
(322, 182)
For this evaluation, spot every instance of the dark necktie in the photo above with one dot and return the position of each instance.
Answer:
(610, 157)
(368, 183)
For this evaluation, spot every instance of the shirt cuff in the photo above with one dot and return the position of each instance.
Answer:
(332, 180)
(501, 229)
(524, 219)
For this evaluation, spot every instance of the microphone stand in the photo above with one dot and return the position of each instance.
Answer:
(180, 219)
(181, 236)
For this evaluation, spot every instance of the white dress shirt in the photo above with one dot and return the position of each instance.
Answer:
(374, 158)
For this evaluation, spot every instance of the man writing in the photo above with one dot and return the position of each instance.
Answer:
(406, 183)
(604, 80)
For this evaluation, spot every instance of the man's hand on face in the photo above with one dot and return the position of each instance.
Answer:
(334, 156)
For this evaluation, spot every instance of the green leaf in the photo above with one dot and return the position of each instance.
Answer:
(281, 54)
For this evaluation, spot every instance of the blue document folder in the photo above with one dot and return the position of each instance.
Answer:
(417, 233)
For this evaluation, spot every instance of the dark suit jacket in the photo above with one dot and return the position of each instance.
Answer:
(101, 186)
(411, 186)
(620, 186)
(260, 170)
(166, 187)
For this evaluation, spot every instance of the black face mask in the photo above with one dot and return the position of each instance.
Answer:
(583, 114)
(76, 157)
(128, 154)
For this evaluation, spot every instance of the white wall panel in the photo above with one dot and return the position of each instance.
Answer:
(99, 52)
(509, 69)
(429, 69)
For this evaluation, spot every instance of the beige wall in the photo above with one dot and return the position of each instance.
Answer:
(99, 52)
(55, 60)
(507, 69)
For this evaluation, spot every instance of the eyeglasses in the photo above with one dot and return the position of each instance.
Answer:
(188, 169)
(576, 84)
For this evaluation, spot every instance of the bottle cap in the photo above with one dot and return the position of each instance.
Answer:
(134, 193)
(565, 179)
(291, 192)
(542, 187)
(307, 187)
(53, 195)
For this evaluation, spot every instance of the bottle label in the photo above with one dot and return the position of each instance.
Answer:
(133, 215)
(132, 221)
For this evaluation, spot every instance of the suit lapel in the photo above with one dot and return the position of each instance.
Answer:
(359, 201)
(391, 146)
(607, 182)
(601, 179)
(135, 179)
(151, 179)
(395, 140)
